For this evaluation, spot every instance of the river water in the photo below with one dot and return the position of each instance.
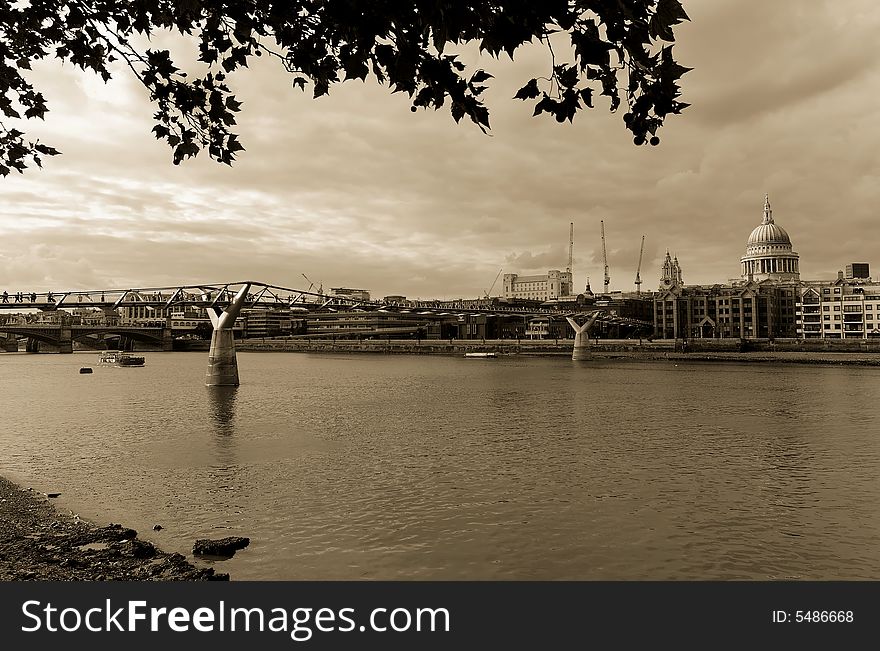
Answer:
(429, 467)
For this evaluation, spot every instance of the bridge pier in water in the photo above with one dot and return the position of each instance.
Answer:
(167, 336)
(222, 364)
(65, 340)
(581, 349)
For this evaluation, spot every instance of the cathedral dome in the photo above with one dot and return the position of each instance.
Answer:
(769, 233)
(768, 252)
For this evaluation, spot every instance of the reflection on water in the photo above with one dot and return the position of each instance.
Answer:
(441, 468)
(224, 472)
(222, 405)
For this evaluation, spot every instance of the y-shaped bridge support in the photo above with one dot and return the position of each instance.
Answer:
(222, 365)
(581, 348)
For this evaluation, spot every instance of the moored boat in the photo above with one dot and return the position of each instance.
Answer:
(120, 358)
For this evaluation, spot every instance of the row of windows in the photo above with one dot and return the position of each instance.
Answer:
(849, 308)
(827, 317)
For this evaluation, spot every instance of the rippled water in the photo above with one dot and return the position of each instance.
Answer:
(397, 467)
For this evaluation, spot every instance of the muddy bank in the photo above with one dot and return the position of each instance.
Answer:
(39, 543)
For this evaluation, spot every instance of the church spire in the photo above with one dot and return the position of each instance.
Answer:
(768, 214)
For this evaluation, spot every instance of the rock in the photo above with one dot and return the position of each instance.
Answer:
(53, 494)
(221, 547)
(117, 532)
(158, 527)
(137, 549)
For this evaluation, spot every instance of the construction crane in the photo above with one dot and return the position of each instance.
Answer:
(311, 284)
(639, 268)
(493, 283)
(570, 289)
(570, 245)
(605, 257)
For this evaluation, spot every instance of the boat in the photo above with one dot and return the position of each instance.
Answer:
(85, 369)
(120, 358)
(481, 355)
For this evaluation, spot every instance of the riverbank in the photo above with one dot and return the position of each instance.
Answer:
(795, 352)
(37, 542)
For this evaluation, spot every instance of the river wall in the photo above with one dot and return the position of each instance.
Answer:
(857, 351)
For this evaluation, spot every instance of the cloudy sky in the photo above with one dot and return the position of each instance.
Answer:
(355, 190)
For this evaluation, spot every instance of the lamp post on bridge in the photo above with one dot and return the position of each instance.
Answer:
(222, 364)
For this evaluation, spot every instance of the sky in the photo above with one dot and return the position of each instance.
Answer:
(354, 190)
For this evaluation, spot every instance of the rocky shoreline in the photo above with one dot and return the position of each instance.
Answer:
(38, 543)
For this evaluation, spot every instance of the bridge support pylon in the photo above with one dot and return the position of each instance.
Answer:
(65, 340)
(581, 348)
(168, 336)
(222, 364)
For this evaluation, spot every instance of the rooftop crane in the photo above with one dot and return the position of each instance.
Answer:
(639, 268)
(570, 244)
(311, 284)
(605, 257)
(488, 291)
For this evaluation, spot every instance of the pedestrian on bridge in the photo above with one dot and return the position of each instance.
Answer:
(5, 296)
(33, 297)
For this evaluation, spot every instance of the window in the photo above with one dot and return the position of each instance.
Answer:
(826, 308)
(837, 308)
(837, 290)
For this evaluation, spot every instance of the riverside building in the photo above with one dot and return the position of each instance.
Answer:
(546, 287)
(846, 308)
(762, 304)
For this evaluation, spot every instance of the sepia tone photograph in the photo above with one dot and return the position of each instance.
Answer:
(494, 291)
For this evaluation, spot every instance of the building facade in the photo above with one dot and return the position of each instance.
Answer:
(842, 309)
(748, 311)
(858, 270)
(547, 287)
(266, 322)
(348, 292)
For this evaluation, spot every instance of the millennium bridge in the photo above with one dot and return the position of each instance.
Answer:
(223, 303)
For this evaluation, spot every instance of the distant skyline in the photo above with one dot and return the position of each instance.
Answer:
(355, 190)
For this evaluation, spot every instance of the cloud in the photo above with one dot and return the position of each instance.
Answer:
(552, 258)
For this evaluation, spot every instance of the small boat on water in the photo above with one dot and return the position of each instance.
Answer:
(120, 358)
(481, 354)
(85, 369)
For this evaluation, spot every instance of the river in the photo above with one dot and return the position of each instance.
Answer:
(432, 467)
